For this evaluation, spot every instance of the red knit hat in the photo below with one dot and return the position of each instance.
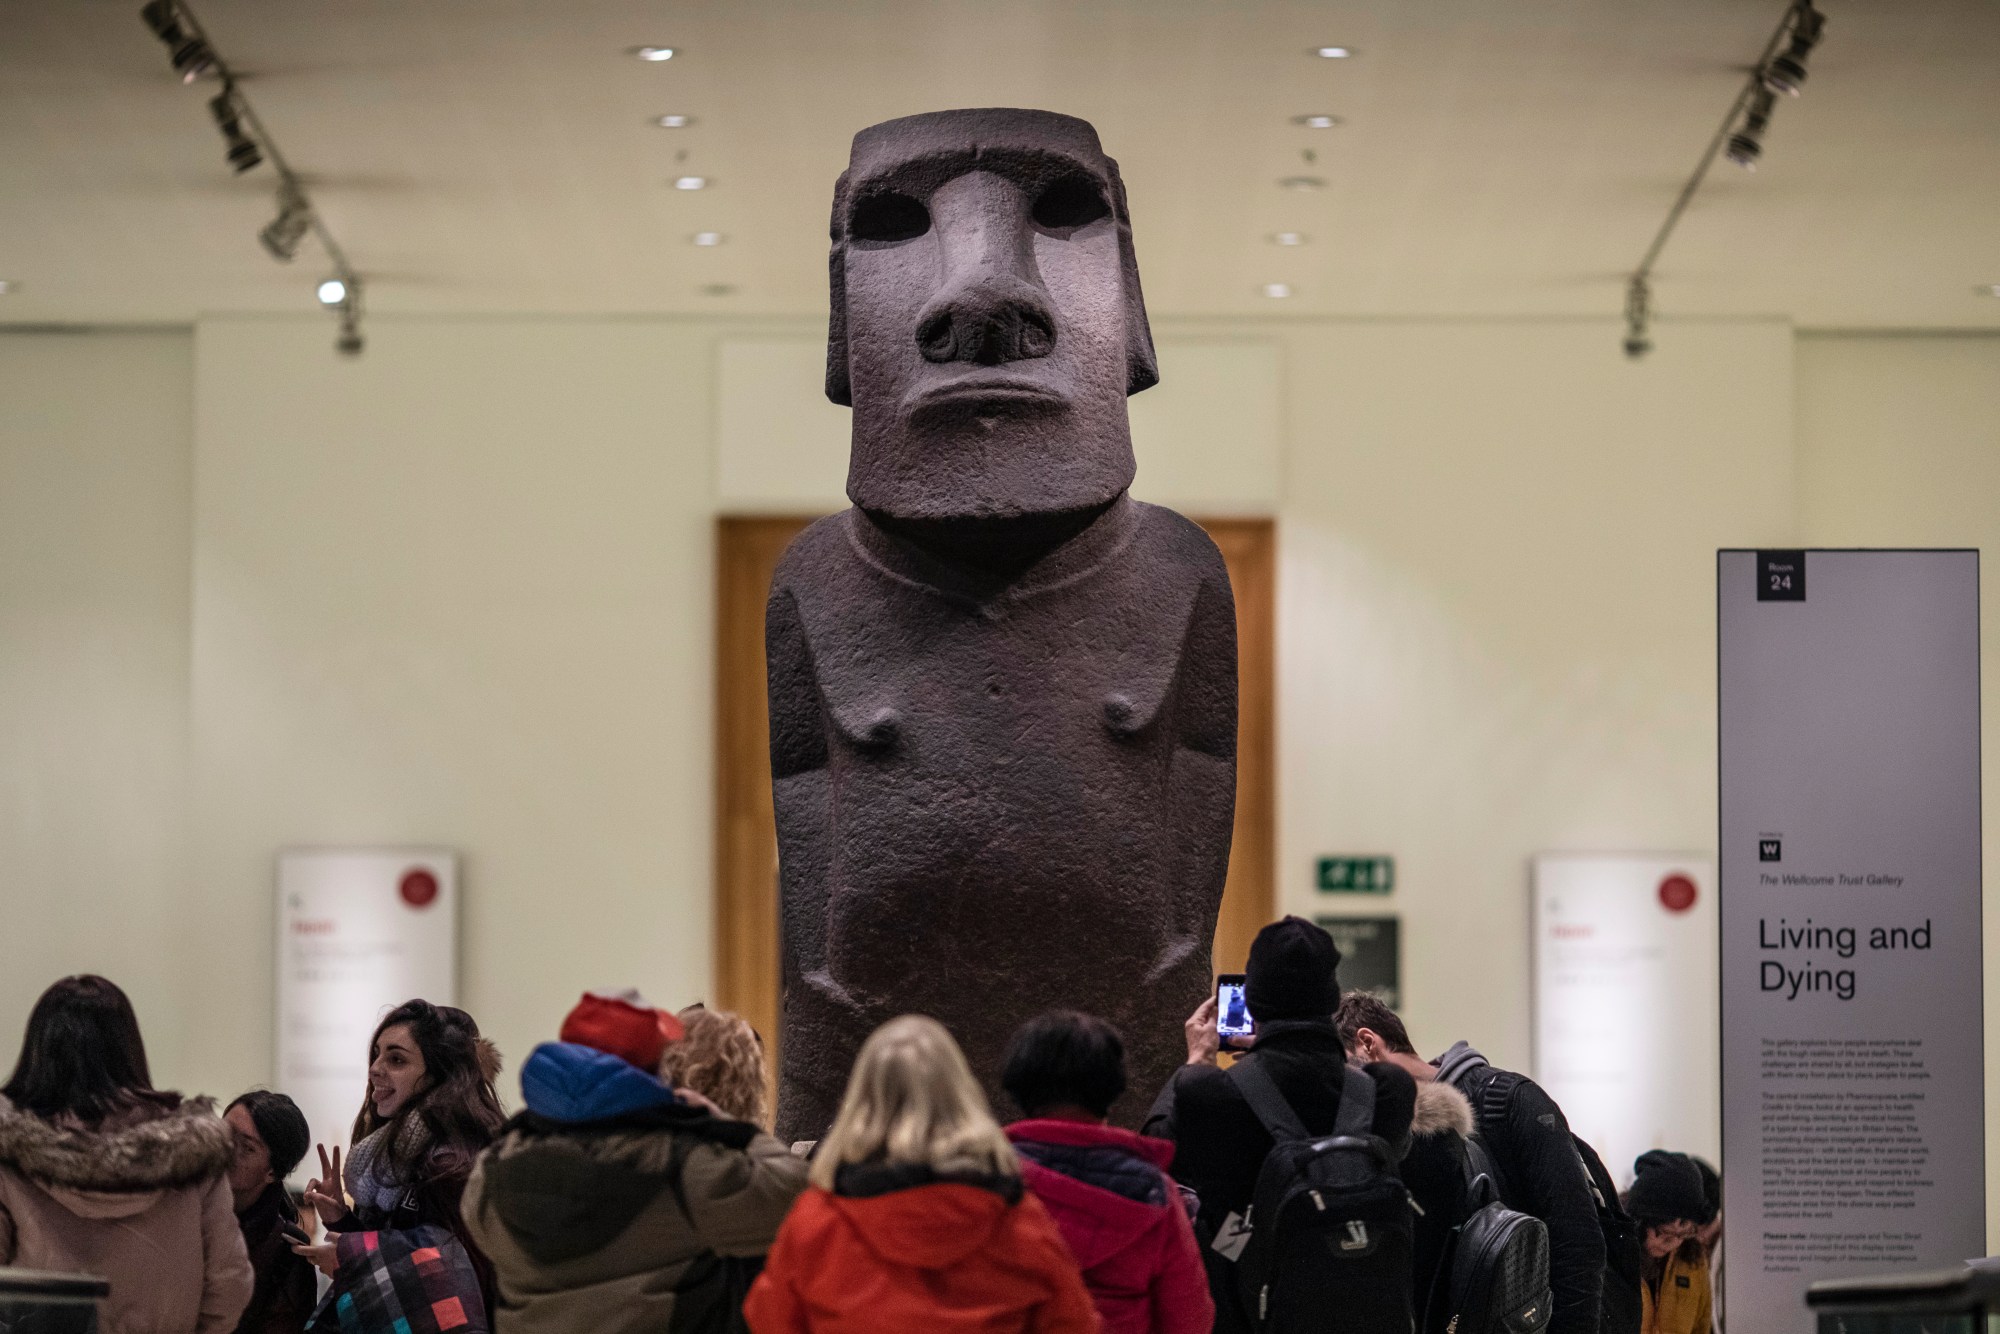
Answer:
(622, 1024)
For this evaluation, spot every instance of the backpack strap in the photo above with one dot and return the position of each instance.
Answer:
(1254, 1082)
(1355, 1117)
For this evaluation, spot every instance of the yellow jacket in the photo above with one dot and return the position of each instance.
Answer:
(1681, 1305)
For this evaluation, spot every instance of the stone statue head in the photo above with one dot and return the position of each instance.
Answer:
(987, 323)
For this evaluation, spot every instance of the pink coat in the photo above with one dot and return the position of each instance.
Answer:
(142, 1201)
(1122, 1218)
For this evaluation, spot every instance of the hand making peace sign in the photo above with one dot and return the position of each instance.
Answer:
(324, 1193)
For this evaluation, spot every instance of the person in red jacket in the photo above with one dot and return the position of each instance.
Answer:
(1107, 1189)
(916, 1219)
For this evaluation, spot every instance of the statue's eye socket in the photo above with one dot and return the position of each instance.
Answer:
(1071, 202)
(888, 217)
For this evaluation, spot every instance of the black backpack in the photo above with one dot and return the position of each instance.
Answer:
(1494, 1277)
(1329, 1222)
(1619, 1310)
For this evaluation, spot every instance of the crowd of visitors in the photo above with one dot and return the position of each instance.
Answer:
(1327, 1177)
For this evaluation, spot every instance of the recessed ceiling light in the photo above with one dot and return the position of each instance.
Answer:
(332, 292)
(1316, 121)
(674, 122)
(690, 182)
(1303, 183)
(1277, 290)
(1333, 52)
(707, 238)
(1288, 238)
(718, 289)
(653, 53)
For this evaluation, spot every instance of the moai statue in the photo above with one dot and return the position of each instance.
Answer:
(1003, 693)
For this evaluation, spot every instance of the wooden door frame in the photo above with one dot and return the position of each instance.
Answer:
(747, 549)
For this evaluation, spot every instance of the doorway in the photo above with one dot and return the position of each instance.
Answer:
(746, 838)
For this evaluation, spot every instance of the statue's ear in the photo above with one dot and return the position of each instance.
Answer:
(839, 387)
(1142, 364)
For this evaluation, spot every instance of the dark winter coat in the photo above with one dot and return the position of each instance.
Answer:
(1123, 1219)
(1220, 1145)
(286, 1290)
(141, 1200)
(597, 1204)
(1434, 1170)
(1546, 1179)
(900, 1250)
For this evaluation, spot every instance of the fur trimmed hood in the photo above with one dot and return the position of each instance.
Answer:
(1440, 1107)
(121, 1167)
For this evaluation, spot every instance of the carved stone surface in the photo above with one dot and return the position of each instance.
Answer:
(1003, 693)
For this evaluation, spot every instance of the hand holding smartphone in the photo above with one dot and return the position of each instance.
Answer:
(1232, 1011)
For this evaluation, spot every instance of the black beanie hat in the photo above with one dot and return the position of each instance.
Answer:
(282, 1127)
(1291, 973)
(1711, 1190)
(1666, 1187)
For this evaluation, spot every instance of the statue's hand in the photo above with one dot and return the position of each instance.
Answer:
(1202, 1040)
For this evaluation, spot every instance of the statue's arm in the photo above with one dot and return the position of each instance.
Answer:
(801, 788)
(1203, 791)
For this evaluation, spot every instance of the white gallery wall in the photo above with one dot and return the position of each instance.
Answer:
(459, 592)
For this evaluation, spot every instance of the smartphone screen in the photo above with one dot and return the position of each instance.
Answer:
(1232, 1014)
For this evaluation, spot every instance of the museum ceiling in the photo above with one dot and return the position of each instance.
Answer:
(1490, 161)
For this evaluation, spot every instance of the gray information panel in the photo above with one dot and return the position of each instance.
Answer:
(1852, 1048)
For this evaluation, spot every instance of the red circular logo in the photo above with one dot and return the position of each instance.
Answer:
(420, 888)
(1677, 893)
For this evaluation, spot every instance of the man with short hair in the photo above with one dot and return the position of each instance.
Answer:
(1529, 1140)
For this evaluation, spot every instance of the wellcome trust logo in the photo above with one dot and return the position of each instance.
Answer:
(1770, 848)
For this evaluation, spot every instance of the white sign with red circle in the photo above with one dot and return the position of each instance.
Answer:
(359, 932)
(1625, 1001)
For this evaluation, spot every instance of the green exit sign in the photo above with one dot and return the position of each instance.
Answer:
(1357, 875)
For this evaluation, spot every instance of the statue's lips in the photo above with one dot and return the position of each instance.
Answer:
(974, 392)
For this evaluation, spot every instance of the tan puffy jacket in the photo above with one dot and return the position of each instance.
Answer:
(587, 1231)
(142, 1201)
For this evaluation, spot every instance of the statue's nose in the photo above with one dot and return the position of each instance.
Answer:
(991, 306)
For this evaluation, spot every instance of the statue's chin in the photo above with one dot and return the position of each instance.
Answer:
(1001, 542)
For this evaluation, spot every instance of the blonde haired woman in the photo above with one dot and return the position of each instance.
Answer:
(916, 1219)
(720, 1057)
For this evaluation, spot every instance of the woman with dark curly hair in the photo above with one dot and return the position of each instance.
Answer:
(102, 1174)
(429, 1111)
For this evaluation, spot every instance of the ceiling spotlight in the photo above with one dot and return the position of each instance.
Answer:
(1288, 238)
(332, 292)
(1278, 291)
(191, 55)
(1638, 317)
(691, 183)
(1747, 144)
(674, 122)
(1316, 122)
(282, 234)
(707, 238)
(1787, 73)
(1303, 183)
(1333, 52)
(243, 152)
(653, 53)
